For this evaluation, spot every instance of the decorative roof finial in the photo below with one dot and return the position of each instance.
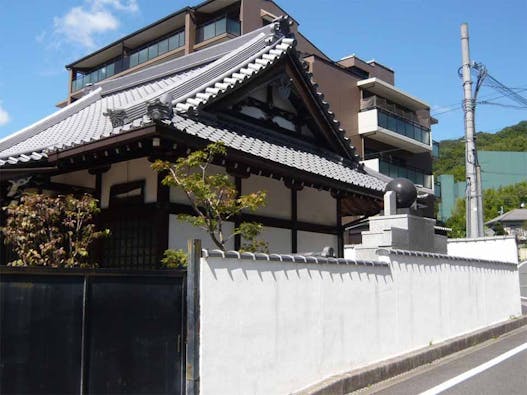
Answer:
(117, 117)
(159, 109)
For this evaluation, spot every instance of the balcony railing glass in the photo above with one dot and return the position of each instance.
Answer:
(403, 127)
(396, 119)
(96, 75)
(157, 49)
(141, 55)
(414, 175)
(218, 27)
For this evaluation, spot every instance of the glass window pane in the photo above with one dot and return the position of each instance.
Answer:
(153, 51)
(163, 47)
(221, 26)
(134, 59)
(110, 70)
(102, 74)
(173, 42)
(199, 35)
(209, 31)
(233, 27)
(143, 55)
(392, 123)
(181, 39)
(382, 120)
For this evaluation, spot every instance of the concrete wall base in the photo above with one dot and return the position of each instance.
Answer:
(360, 378)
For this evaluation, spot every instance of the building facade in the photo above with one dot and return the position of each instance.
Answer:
(252, 93)
(390, 129)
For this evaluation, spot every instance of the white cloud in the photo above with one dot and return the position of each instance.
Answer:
(80, 25)
(4, 116)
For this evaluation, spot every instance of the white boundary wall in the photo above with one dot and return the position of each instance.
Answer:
(498, 248)
(270, 327)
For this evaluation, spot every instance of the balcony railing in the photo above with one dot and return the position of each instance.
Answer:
(414, 175)
(97, 75)
(403, 127)
(396, 119)
(217, 28)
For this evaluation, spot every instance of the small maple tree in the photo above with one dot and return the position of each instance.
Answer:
(54, 231)
(213, 197)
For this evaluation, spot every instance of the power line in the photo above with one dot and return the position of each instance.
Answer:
(457, 107)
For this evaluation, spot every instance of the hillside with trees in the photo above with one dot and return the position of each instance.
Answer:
(508, 197)
(452, 152)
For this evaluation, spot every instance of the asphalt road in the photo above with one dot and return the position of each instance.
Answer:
(498, 366)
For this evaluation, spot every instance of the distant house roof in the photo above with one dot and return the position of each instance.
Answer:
(516, 215)
(184, 85)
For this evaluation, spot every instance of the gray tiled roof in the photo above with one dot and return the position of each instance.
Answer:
(516, 215)
(83, 121)
(195, 80)
(299, 157)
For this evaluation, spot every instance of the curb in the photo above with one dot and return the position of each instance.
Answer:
(360, 378)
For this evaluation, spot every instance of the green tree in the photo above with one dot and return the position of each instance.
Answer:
(452, 152)
(494, 200)
(213, 197)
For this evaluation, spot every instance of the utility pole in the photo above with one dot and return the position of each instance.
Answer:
(474, 217)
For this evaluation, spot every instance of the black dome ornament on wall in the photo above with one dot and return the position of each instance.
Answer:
(405, 191)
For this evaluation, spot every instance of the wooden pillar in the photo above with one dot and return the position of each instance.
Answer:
(190, 32)
(237, 220)
(162, 215)
(294, 220)
(98, 245)
(340, 229)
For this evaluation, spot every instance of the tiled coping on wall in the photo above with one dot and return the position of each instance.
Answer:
(339, 261)
(388, 252)
(287, 258)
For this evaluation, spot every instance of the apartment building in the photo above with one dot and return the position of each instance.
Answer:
(390, 129)
(185, 31)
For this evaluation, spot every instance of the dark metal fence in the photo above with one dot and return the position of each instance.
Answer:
(91, 332)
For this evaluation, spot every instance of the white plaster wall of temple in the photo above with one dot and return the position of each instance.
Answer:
(278, 239)
(79, 178)
(317, 206)
(315, 242)
(500, 248)
(179, 232)
(291, 325)
(278, 201)
(127, 171)
(178, 196)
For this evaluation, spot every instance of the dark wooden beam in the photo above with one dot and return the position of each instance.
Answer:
(237, 220)
(294, 221)
(340, 235)
(66, 188)
(178, 208)
(162, 215)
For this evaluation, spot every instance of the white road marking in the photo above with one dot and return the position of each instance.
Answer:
(523, 298)
(472, 372)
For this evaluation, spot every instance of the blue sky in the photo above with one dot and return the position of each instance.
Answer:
(419, 39)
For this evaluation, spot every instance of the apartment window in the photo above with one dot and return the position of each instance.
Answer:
(98, 74)
(141, 55)
(217, 27)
